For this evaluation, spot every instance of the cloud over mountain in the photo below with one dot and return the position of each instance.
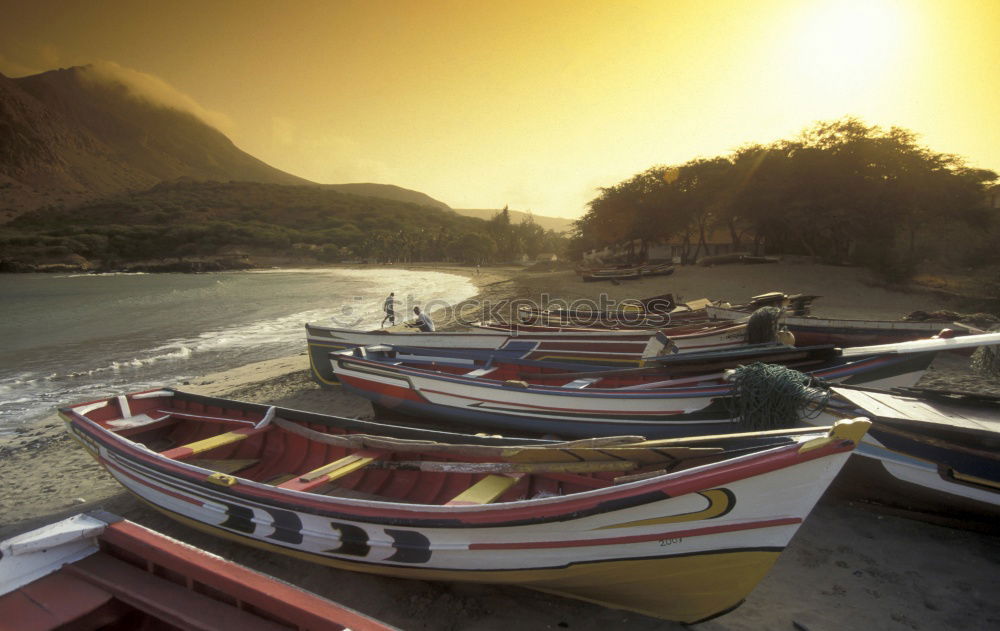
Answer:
(154, 90)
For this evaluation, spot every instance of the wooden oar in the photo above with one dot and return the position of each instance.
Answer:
(505, 467)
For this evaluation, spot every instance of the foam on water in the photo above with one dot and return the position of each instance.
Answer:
(75, 339)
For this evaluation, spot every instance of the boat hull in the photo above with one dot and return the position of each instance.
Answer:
(481, 404)
(657, 546)
(937, 459)
(811, 331)
(99, 571)
(917, 488)
(606, 348)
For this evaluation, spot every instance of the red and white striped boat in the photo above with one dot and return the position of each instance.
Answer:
(681, 530)
(685, 396)
(605, 348)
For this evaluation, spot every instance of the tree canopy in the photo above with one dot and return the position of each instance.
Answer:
(843, 191)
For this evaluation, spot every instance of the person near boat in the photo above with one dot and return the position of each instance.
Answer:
(423, 321)
(390, 309)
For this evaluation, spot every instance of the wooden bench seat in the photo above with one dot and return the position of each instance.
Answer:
(207, 444)
(485, 491)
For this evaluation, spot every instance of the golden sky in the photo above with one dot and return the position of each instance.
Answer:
(532, 103)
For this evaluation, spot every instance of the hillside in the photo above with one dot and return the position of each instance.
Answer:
(389, 191)
(72, 134)
(237, 223)
(558, 224)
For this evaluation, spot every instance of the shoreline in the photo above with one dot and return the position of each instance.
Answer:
(880, 571)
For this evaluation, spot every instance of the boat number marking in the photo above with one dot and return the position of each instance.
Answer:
(671, 541)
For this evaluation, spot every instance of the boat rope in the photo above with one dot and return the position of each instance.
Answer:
(986, 359)
(762, 326)
(770, 396)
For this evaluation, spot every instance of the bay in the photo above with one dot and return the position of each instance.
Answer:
(71, 338)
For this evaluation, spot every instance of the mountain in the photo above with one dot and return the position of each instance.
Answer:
(389, 191)
(73, 134)
(558, 224)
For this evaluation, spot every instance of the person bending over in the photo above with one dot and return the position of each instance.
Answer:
(423, 321)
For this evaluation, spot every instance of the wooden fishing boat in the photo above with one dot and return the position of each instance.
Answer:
(630, 273)
(685, 338)
(98, 571)
(606, 348)
(654, 312)
(685, 395)
(809, 330)
(681, 530)
(656, 269)
(932, 453)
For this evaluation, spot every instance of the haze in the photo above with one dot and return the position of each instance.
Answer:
(532, 104)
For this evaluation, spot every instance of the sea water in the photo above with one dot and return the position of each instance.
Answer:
(72, 338)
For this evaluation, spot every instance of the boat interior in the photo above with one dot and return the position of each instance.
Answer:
(271, 446)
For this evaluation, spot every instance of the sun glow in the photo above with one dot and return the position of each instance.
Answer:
(840, 40)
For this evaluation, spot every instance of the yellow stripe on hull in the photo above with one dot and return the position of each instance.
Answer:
(312, 365)
(685, 588)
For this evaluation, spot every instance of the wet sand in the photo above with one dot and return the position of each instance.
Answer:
(849, 567)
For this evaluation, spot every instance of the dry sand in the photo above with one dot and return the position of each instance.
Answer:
(847, 568)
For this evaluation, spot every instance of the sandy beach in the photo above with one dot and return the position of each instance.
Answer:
(849, 567)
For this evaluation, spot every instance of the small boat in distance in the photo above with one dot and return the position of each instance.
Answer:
(681, 529)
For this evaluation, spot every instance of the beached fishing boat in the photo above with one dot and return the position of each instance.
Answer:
(98, 571)
(809, 330)
(685, 395)
(654, 312)
(656, 269)
(611, 348)
(630, 273)
(694, 337)
(681, 530)
(934, 453)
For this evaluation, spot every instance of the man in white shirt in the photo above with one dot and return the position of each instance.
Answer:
(424, 322)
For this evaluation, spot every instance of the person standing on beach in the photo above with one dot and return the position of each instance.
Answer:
(390, 309)
(424, 322)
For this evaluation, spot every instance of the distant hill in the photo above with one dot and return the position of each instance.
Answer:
(253, 221)
(389, 191)
(74, 137)
(69, 135)
(558, 224)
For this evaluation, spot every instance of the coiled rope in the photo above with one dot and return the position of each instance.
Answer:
(769, 396)
(986, 359)
(762, 326)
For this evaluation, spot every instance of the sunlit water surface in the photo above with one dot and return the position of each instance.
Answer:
(71, 338)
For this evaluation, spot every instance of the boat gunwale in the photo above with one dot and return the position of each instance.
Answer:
(718, 473)
(669, 392)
